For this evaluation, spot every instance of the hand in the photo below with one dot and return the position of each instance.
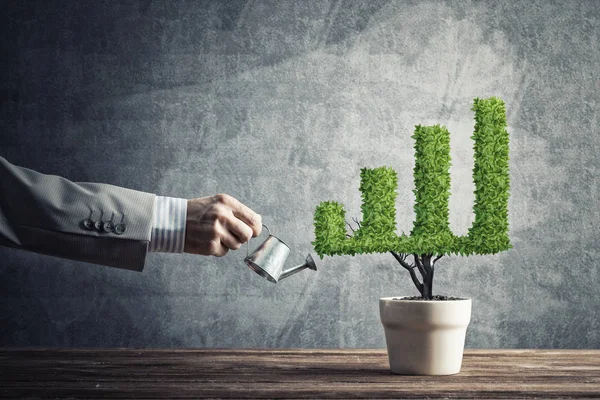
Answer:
(216, 224)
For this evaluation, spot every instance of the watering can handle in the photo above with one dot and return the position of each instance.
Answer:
(248, 242)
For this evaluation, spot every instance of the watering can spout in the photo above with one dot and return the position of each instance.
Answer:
(309, 263)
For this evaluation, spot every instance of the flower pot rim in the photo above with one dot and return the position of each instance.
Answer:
(402, 298)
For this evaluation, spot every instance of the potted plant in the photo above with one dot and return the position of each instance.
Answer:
(425, 334)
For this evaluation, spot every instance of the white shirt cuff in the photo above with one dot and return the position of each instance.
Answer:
(168, 225)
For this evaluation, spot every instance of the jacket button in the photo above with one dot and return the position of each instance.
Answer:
(98, 225)
(108, 226)
(88, 224)
(120, 228)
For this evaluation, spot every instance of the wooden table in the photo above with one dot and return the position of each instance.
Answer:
(276, 373)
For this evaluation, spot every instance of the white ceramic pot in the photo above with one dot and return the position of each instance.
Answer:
(425, 337)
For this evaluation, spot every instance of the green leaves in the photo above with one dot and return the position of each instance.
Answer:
(432, 188)
(489, 232)
(378, 187)
(330, 229)
(431, 231)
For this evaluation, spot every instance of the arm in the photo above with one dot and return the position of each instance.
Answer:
(114, 226)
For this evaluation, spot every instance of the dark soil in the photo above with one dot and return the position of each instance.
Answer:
(435, 298)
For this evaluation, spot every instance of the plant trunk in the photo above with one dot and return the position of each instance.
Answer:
(426, 294)
(427, 272)
(428, 286)
(423, 264)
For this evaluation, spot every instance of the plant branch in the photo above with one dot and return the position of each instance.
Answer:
(401, 258)
(351, 228)
(420, 266)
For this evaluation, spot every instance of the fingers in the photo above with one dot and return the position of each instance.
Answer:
(217, 224)
(230, 235)
(230, 241)
(239, 229)
(244, 213)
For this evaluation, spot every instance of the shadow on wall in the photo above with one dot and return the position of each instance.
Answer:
(69, 69)
(101, 90)
(553, 298)
(71, 66)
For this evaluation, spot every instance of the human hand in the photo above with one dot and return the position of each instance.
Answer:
(216, 224)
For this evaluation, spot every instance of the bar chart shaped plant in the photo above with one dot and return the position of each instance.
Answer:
(431, 234)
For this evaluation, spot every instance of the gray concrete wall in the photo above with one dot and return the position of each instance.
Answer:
(280, 104)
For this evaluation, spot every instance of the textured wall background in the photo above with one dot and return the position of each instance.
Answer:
(280, 104)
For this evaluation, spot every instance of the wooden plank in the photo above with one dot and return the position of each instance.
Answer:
(288, 373)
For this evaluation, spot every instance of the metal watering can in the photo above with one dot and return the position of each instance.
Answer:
(268, 259)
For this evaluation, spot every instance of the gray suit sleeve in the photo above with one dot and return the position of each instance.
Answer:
(51, 215)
